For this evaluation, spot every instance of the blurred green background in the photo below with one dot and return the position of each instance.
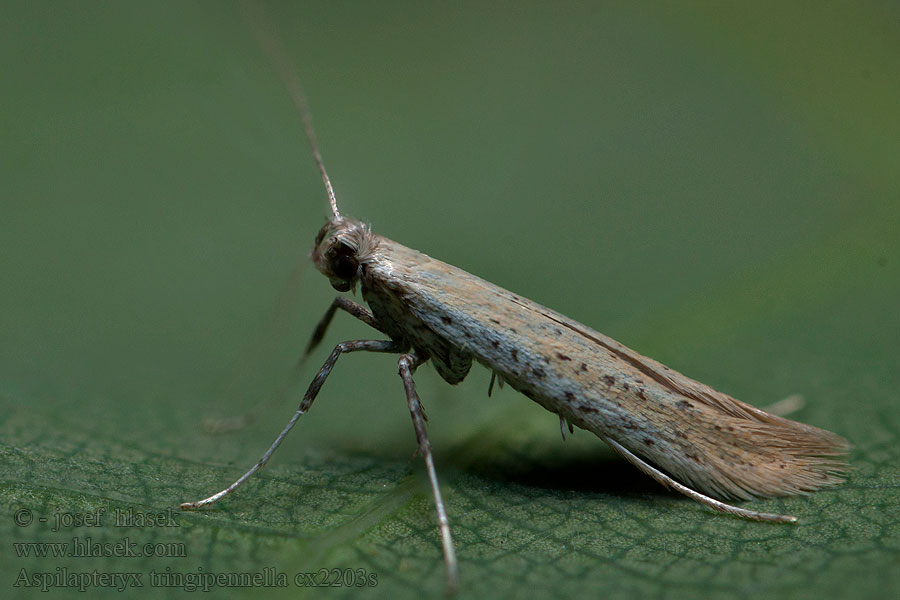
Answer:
(716, 187)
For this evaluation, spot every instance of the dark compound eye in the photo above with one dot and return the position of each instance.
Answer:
(344, 266)
(343, 262)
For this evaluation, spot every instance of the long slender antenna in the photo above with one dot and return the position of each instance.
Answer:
(274, 49)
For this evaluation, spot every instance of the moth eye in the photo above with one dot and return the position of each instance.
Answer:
(344, 266)
(341, 286)
(343, 262)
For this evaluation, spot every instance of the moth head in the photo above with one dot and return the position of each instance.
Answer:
(343, 246)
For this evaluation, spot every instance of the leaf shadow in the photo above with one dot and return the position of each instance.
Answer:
(581, 473)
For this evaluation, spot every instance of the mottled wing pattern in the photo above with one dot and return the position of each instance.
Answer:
(699, 436)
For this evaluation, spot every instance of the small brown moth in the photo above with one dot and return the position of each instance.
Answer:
(682, 433)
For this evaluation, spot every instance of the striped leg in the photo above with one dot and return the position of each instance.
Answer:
(305, 404)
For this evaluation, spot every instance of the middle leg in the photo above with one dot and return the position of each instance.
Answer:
(407, 366)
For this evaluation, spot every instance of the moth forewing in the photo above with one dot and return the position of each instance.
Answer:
(694, 433)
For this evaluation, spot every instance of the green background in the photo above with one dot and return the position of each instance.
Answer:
(717, 188)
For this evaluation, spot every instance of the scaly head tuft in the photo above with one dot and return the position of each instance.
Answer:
(342, 248)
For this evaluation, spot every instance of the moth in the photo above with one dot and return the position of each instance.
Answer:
(679, 431)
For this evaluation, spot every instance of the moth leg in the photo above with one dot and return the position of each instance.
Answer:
(495, 376)
(667, 481)
(229, 424)
(357, 310)
(407, 366)
(305, 404)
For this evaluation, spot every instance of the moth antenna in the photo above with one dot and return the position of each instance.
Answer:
(274, 50)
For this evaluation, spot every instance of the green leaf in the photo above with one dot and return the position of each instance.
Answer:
(715, 187)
